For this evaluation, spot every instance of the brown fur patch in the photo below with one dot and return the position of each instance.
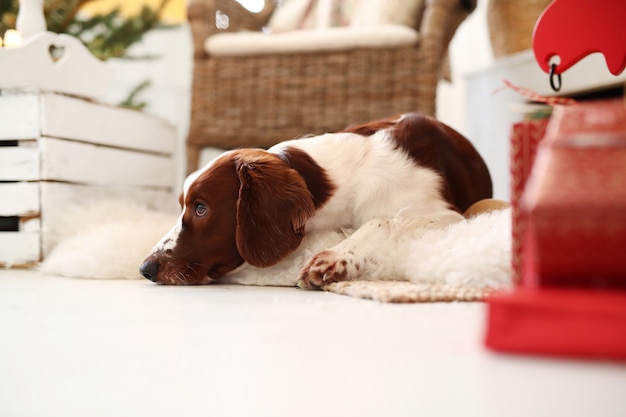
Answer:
(274, 206)
(316, 179)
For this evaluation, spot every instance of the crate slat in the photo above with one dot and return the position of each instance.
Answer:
(19, 116)
(30, 225)
(104, 125)
(19, 199)
(19, 163)
(84, 163)
(19, 248)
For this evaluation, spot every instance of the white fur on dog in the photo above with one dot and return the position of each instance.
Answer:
(111, 239)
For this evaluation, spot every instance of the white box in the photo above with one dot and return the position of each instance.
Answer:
(57, 151)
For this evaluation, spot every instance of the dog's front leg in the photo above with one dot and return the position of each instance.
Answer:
(376, 251)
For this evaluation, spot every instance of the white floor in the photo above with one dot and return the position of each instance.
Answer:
(72, 347)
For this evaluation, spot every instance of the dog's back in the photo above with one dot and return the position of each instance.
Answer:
(435, 145)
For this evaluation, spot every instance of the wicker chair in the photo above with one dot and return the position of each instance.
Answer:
(259, 100)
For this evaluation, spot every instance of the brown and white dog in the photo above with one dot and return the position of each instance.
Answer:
(390, 180)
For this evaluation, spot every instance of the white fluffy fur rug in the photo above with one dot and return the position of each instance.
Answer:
(461, 262)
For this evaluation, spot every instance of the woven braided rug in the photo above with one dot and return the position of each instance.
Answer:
(407, 292)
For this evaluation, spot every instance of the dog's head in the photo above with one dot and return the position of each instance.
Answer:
(246, 206)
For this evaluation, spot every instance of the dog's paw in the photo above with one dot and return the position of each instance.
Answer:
(325, 268)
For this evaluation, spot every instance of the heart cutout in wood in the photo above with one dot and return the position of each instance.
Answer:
(56, 52)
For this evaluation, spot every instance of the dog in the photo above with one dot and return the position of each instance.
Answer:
(390, 180)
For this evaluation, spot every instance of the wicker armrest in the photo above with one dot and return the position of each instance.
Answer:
(201, 15)
(441, 18)
(439, 23)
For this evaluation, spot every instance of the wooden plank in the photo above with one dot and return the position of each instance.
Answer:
(105, 125)
(19, 116)
(19, 163)
(30, 224)
(59, 200)
(60, 195)
(19, 199)
(19, 248)
(83, 163)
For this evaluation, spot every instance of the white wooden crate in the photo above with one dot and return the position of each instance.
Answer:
(57, 151)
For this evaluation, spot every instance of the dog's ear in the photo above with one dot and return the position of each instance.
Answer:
(273, 207)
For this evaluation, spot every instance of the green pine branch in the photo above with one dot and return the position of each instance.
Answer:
(106, 36)
(131, 102)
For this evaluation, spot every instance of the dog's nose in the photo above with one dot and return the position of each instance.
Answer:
(149, 270)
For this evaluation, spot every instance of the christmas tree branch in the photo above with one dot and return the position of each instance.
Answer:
(106, 36)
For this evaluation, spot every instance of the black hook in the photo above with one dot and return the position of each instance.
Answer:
(554, 76)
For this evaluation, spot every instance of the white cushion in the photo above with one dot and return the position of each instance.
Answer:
(316, 14)
(380, 12)
(310, 14)
(310, 41)
(289, 16)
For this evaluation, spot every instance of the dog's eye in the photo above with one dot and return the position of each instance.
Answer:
(200, 209)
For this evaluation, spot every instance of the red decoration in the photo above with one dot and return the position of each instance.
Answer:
(525, 137)
(575, 199)
(571, 225)
(571, 322)
(573, 29)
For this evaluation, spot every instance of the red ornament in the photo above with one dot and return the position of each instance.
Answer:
(573, 29)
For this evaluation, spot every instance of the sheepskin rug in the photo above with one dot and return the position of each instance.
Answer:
(463, 261)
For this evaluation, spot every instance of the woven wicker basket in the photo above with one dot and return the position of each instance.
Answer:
(511, 24)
